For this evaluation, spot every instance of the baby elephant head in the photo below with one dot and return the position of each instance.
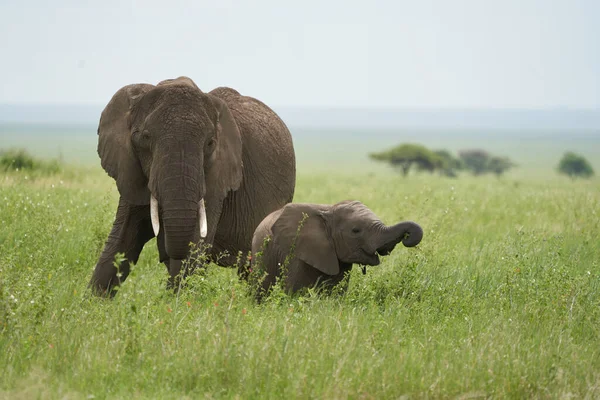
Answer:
(344, 233)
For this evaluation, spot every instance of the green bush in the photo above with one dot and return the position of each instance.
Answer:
(20, 159)
(475, 160)
(407, 156)
(404, 156)
(448, 165)
(575, 165)
(498, 165)
(479, 162)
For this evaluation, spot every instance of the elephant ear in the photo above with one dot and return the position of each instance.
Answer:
(226, 170)
(114, 144)
(301, 228)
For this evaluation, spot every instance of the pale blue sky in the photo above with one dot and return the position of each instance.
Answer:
(426, 53)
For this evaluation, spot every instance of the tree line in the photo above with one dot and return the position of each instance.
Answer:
(410, 156)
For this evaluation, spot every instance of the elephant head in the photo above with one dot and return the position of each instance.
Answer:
(175, 148)
(347, 232)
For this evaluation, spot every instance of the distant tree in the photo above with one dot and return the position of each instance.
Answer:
(480, 162)
(406, 156)
(499, 165)
(447, 164)
(575, 165)
(475, 160)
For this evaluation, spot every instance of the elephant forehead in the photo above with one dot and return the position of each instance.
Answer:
(181, 112)
(182, 94)
(355, 210)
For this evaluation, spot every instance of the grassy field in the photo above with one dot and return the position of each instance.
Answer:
(500, 300)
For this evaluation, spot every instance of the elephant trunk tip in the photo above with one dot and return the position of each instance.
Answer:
(413, 235)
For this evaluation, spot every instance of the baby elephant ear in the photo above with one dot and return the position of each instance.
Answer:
(301, 229)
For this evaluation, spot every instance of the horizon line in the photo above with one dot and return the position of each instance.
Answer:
(360, 107)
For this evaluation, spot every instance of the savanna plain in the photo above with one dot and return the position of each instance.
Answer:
(501, 299)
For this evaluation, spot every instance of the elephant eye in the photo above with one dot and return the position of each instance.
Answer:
(210, 144)
(141, 137)
(355, 230)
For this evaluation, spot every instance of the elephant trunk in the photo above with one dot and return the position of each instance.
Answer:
(408, 232)
(180, 218)
(181, 206)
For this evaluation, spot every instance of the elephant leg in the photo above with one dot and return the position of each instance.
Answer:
(131, 230)
(231, 237)
(214, 251)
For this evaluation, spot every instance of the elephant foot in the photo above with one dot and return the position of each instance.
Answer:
(102, 291)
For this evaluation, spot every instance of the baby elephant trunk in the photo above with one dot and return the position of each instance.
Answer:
(408, 232)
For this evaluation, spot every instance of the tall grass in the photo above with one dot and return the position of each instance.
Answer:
(501, 299)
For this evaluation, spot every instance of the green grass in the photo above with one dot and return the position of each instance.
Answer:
(501, 299)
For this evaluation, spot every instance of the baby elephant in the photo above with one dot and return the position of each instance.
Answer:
(323, 241)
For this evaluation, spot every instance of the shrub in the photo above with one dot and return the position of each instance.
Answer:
(480, 162)
(448, 164)
(575, 165)
(20, 159)
(405, 156)
(475, 160)
(499, 165)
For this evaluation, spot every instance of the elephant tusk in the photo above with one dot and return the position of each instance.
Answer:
(202, 214)
(154, 215)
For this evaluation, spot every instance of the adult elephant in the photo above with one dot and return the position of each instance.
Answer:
(189, 166)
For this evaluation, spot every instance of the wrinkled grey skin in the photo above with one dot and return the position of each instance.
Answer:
(330, 240)
(181, 145)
